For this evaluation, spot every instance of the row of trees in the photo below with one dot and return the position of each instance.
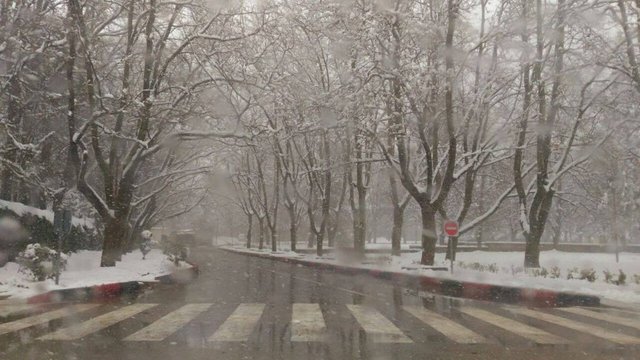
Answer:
(103, 99)
(461, 109)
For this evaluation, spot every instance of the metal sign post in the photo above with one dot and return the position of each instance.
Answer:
(451, 253)
(451, 229)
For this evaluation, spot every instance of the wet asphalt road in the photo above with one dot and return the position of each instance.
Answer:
(272, 289)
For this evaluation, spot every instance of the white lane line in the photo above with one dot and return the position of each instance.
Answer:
(240, 324)
(307, 323)
(445, 326)
(612, 318)
(528, 332)
(13, 310)
(98, 323)
(376, 326)
(578, 326)
(43, 318)
(168, 324)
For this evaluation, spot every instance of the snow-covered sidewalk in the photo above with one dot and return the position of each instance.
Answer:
(505, 269)
(83, 270)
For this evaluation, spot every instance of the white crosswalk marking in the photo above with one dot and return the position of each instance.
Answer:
(612, 318)
(582, 327)
(85, 328)
(307, 323)
(240, 324)
(169, 323)
(528, 332)
(43, 318)
(13, 310)
(376, 326)
(445, 326)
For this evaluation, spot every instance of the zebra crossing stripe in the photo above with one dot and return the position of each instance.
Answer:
(615, 319)
(240, 324)
(376, 326)
(14, 310)
(43, 318)
(578, 326)
(85, 328)
(169, 323)
(307, 323)
(528, 332)
(445, 326)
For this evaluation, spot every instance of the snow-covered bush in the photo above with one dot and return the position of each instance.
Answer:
(555, 273)
(176, 251)
(573, 273)
(11, 234)
(588, 274)
(620, 280)
(38, 262)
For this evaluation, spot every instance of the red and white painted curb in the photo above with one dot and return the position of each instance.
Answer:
(450, 287)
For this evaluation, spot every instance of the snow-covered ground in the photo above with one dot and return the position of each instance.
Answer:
(83, 269)
(508, 269)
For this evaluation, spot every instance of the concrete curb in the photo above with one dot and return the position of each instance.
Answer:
(448, 287)
(105, 292)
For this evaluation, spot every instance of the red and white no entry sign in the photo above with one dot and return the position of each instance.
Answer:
(451, 228)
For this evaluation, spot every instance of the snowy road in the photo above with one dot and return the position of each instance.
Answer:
(250, 308)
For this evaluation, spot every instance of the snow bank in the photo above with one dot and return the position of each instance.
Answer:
(83, 269)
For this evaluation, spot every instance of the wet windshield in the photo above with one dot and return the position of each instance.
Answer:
(330, 179)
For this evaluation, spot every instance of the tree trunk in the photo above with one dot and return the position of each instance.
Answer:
(480, 230)
(293, 228)
(557, 230)
(358, 236)
(532, 251)
(274, 237)
(396, 231)
(114, 231)
(14, 120)
(293, 235)
(5, 187)
(261, 235)
(319, 241)
(249, 230)
(332, 230)
(361, 214)
(428, 234)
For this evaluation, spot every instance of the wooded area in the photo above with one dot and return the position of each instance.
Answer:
(318, 120)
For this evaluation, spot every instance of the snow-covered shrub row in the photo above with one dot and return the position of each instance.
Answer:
(588, 274)
(38, 262)
(493, 268)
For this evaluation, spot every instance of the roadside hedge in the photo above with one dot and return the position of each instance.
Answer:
(41, 230)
